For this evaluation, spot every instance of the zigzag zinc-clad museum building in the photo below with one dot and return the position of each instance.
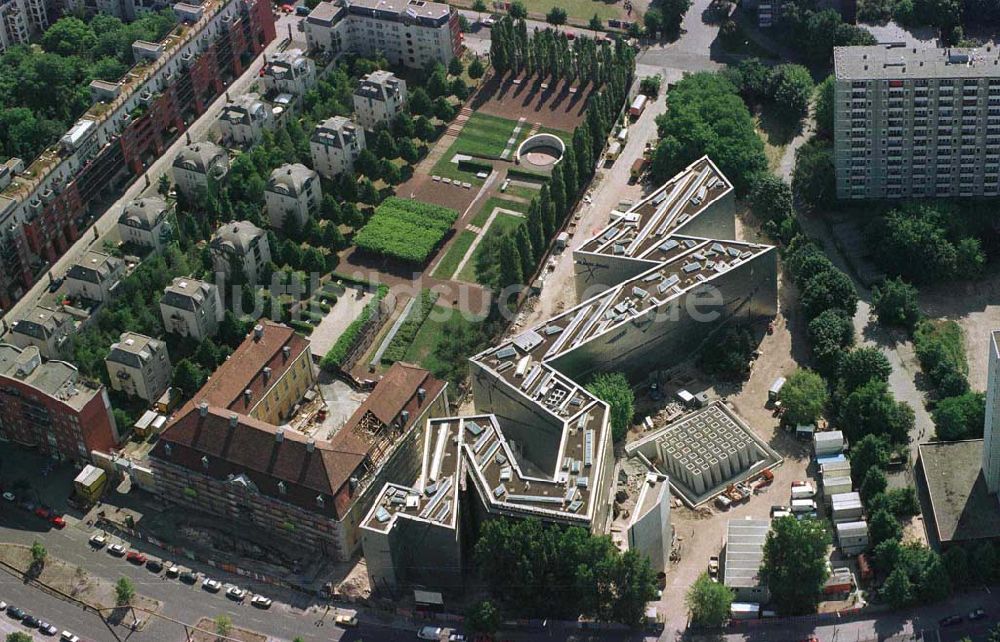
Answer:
(653, 286)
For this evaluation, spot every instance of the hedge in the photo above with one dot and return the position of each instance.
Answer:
(301, 327)
(333, 359)
(516, 172)
(474, 166)
(408, 330)
(405, 229)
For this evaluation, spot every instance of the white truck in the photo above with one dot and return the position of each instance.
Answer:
(803, 506)
(803, 490)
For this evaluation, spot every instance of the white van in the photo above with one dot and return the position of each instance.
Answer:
(803, 506)
(803, 491)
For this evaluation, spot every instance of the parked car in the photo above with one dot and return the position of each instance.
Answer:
(713, 568)
(302, 10)
(15, 613)
(236, 593)
(950, 620)
(3, 605)
(98, 540)
(346, 620)
(977, 614)
(172, 569)
(213, 586)
(9, 496)
(47, 628)
(154, 565)
(429, 633)
(66, 636)
(43, 512)
(261, 602)
(456, 637)
(117, 550)
(55, 283)
(136, 557)
(57, 521)
(188, 577)
(30, 621)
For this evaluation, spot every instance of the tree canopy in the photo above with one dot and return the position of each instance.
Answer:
(794, 566)
(708, 601)
(614, 389)
(804, 396)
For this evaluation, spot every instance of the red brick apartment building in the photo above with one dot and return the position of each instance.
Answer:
(44, 212)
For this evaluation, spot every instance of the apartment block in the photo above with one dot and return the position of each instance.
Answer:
(293, 190)
(240, 246)
(335, 145)
(47, 405)
(289, 72)
(20, 20)
(145, 222)
(139, 366)
(913, 122)
(132, 122)
(199, 166)
(94, 277)
(244, 120)
(379, 98)
(191, 308)
(991, 429)
(411, 33)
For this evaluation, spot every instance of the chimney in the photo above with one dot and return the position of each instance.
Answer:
(353, 483)
(168, 449)
(203, 409)
(286, 351)
(204, 461)
(267, 374)
(421, 394)
(233, 420)
(258, 332)
(311, 445)
(404, 417)
(279, 435)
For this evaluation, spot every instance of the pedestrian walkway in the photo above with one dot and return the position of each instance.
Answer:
(480, 236)
(505, 155)
(444, 143)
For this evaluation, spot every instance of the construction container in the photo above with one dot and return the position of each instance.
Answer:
(835, 468)
(805, 431)
(852, 537)
(846, 507)
(774, 392)
(836, 486)
(828, 443)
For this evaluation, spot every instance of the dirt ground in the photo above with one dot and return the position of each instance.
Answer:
(422, 188)
(235, 633)
(76, 582)
(558, 105)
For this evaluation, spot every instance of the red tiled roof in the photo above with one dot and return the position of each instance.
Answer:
(244, 369)
(251, 448)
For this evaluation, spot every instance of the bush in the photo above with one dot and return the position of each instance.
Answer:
(474, 166)
(613, 389)
(791, 89)
(960, 417)
(804, 396)
(301, 327)
(730, 354)
(405, 229)
(556, 16)
(408, 330)
(940, 348)
(895, 303)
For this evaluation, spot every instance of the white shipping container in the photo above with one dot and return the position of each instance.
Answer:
(744, 610)
(828, 443)
(836, 486)
(835, 467)
(852, 537)
(847, 507)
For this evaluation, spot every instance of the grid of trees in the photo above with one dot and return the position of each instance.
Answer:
(406, 230)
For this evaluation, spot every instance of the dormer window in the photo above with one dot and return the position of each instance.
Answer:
(204, 461)
(320, 501)
(282, 489)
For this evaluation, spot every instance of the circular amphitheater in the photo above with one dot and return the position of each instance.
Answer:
(541, 150)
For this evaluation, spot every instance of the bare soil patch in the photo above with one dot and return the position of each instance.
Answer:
(236, 633)
(555, 104)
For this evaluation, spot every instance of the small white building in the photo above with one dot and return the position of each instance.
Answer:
(95, 276)
(241, 244)
(45, 328)
(846, 507)
(379, 98)
(290, 72)
(199, 166)
(836, 485)
(244, 120)
(828, 443)
(139, 366)
(145, 222)
(292, 190)
(743, 555)
(191, 308)
(335, 145)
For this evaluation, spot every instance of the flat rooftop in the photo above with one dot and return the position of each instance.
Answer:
(745, 552)
(884, 62)
(962, 508)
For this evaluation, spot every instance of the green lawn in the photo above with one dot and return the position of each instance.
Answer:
(493, 202)
(484, 136)
(441, 320)
(501, 224)
(581, 10)
(446, 268)
(524, 192)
